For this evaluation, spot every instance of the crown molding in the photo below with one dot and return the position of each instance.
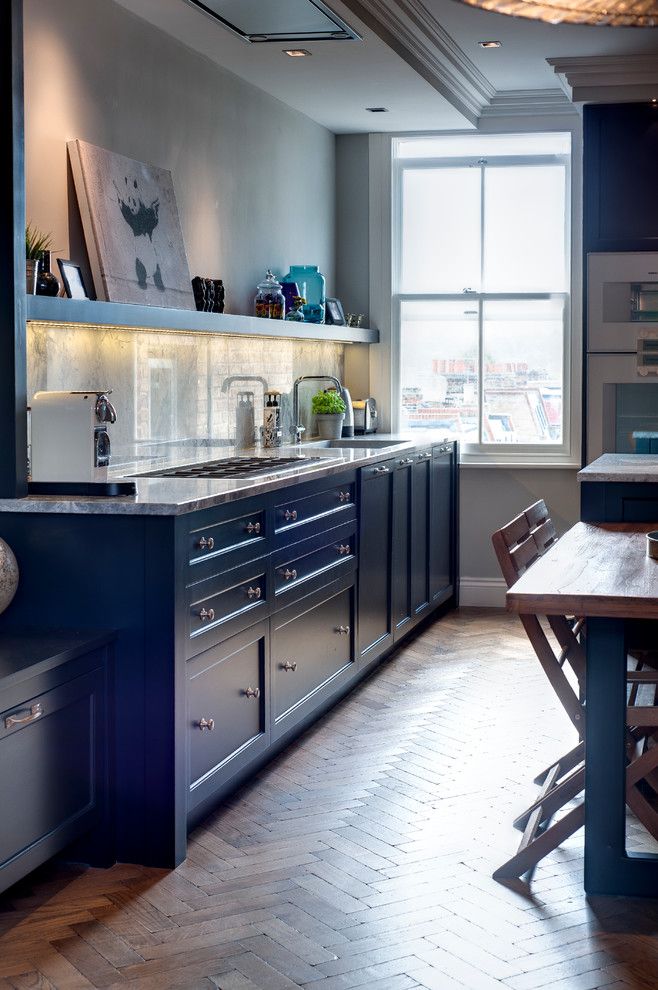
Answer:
(524, 102)
(416, 36)
(607, 78)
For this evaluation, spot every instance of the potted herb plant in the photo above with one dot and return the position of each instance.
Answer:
(36, 243)
(329, 409)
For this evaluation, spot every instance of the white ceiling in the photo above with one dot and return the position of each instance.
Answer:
(419, 58)
(521, 61)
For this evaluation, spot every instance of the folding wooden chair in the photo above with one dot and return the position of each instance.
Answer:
(518, 545)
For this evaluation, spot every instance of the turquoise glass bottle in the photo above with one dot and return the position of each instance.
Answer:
(311, 285)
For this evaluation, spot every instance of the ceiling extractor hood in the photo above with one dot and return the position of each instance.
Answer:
(278, 20)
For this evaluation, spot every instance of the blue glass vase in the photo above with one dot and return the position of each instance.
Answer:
(311, 285)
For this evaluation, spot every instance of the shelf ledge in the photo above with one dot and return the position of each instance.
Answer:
(126, 316)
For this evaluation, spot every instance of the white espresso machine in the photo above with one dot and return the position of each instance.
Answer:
(70, 440)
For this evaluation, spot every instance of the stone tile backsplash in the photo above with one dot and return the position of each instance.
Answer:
(169, 386)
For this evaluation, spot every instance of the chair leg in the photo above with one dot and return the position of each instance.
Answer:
(534, 848)
(552, 798)
(566, 762)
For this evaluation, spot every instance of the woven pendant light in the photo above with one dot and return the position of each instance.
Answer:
(615, 13)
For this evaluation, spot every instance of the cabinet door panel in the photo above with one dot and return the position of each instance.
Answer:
(226, 701)
(49, 774)
(441, 523)
(401, 549)
(375, 625)
(420, 501)
(309, 649)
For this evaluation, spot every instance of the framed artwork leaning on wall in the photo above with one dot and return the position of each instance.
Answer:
(132, 228)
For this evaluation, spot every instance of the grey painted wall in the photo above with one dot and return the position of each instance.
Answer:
(490, 497)
(353, 258)
(254, 179)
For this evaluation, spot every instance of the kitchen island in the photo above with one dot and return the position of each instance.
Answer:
(602, 572)
(243, 608)
(620, 488)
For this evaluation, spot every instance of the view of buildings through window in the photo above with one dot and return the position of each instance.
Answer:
(482, 286)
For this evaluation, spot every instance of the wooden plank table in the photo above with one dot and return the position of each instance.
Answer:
(601, 571)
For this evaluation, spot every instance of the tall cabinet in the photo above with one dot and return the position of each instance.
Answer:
(408, 548)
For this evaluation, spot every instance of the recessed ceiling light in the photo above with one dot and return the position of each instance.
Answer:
(489, 44)
(296, 52)
(377, 109)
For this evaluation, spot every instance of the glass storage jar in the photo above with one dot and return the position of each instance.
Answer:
(311, 285)
(269, 302)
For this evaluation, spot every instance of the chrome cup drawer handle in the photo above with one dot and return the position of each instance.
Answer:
(344, 548)
(289, 575)
(290, 515)
(252, 692)
(289, 666)
(343, 630)
(381, 470)
(406, 460)
(207, 614)
(254, 593)
(424, 457)
(24, 717)
(206, 543)
(253, 528)
(206, 723)
(344, 497)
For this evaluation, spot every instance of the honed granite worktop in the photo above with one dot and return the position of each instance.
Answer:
(640, 468)
(175, 496)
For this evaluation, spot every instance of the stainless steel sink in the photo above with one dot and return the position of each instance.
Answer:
(358, 443)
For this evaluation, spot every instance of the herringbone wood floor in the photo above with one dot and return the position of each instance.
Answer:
(360, 858)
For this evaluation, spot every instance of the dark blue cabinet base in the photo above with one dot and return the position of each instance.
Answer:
(245, 616)
(54, 742)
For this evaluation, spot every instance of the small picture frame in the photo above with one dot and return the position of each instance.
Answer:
(333, 313)
(74, 284)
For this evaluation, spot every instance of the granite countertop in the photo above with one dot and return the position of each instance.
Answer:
(622, 467)
(175, 496)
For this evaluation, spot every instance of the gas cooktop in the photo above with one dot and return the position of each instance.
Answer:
(229, 467)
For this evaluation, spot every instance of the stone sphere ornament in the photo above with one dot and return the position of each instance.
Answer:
(8, 575)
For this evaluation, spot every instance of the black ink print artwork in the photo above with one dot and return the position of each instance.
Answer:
(132, 228)
(142, 220)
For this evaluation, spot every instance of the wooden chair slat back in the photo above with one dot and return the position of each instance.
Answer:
(544, 535)
(518, 545)
(521, 541)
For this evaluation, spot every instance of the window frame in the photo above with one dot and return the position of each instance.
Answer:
(565, 453)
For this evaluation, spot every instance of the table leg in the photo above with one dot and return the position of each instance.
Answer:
(608, 868)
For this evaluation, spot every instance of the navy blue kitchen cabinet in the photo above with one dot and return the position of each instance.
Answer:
(227, 717)
(401, 547)
(313, 654)
(620, 159)
(424, 525)
(375, 560)
(236, 626)
(619, 501)
(443, 525)
(54, 750)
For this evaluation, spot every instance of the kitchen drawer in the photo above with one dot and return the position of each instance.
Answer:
(227, 603)
(379, 470)
(226, 710)
(299, 568)
(312, 644)
(51, 772)
(327, 506)
(223, 538)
